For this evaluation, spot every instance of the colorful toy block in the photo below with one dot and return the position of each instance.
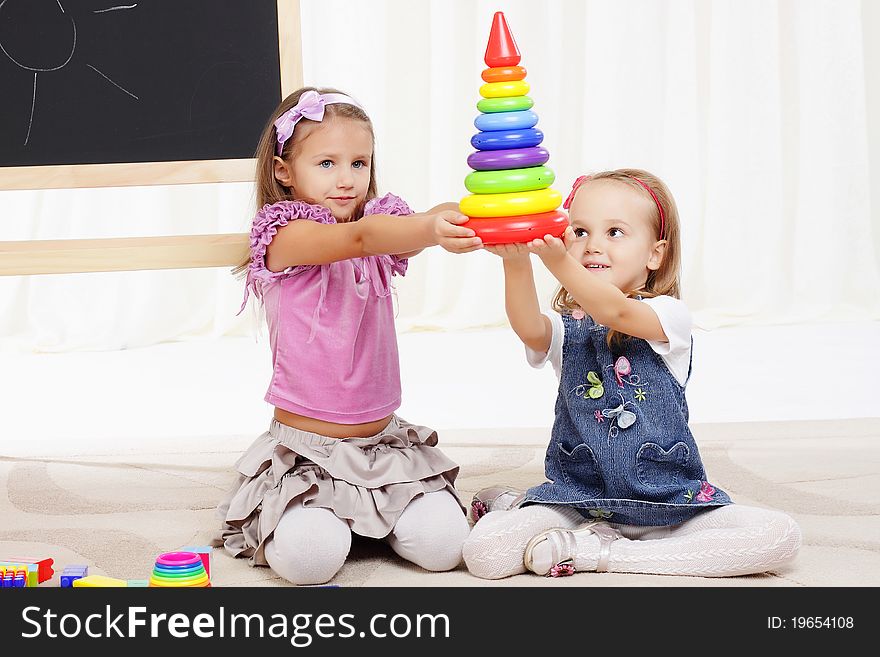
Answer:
(72, 573)
(44, 566)
(13, 577)
(98, 581)
(32, 575)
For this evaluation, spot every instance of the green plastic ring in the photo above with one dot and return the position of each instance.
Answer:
(509, 180)
(507, 104)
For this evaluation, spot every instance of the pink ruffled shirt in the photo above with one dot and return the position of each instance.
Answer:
(331, 327)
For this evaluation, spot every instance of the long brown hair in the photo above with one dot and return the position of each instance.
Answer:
(268, 189)
(665, 280)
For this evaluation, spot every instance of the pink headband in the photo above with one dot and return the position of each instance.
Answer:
(582, 179)
(310, 106)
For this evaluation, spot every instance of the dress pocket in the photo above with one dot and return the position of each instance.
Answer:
(663, 468)
(580, 470)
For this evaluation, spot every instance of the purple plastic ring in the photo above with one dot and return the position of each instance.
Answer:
(512, 158)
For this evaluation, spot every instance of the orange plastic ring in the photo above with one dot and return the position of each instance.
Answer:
(503, 74)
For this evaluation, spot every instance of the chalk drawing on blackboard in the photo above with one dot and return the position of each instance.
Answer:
(62, 60)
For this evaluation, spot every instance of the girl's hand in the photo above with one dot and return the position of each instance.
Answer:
(552, 250)
(452, 236)
(509, 251)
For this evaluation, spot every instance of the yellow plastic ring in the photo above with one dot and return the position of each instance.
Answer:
(509, 205)
(504, 89)
(199, 581)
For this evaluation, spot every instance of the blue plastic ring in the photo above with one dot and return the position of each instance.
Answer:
(505, 139)
(506, 121)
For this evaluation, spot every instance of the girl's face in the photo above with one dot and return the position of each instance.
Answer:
(331, 167)
(615, 237)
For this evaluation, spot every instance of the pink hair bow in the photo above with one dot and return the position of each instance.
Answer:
(310, 106)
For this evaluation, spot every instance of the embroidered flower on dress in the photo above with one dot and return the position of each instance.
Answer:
(563, 569)
(640, 394)
(578, 314)
(622, 367)
(620, 417)
(593, 389)
(600, 513)
(598, 416)
(707, 492)
(478, 510)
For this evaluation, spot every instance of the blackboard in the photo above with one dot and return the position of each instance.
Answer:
(98, 93)
(130, 81)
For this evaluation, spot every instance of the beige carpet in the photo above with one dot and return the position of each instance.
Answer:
(117, 511)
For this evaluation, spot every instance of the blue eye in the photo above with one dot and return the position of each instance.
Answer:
(326, 164)
(359, 164)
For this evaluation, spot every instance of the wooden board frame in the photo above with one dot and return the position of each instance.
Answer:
(128, 254)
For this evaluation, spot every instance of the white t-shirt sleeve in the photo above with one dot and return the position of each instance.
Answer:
(537, 359)
(675, 318)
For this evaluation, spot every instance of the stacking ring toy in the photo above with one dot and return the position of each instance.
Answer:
(504, 89)
(512, 104)
(511, 199)
(515, 158)
(503, 74)
(506, 139)
(196, 567)
(502, 205)
(179, 569)
(525, 228)
(506, 121)
(509, 180)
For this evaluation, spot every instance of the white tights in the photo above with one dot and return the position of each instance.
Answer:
(728, 540)
(310, 545)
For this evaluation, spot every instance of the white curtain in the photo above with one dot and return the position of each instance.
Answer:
(762, 117)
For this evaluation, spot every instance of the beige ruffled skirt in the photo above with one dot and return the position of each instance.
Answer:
(367, 482)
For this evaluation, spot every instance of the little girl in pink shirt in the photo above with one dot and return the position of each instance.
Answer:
(336, 459)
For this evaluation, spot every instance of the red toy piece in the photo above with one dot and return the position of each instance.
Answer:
(501, 49)
(44, 566)
(504, 230)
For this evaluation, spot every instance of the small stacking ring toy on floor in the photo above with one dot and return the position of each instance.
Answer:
(179, 569)
(511, 199)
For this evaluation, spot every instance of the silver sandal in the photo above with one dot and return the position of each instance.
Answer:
(563, 547)
(486, 499)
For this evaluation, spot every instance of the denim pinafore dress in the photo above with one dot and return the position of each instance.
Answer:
(621, 448)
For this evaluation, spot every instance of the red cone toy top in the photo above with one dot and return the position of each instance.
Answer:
(501, 49)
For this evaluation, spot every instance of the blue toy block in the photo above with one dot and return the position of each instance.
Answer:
(71, 573)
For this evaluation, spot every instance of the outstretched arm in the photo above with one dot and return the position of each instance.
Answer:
(521, 298)
(453, 207)
(312, 243)
(602, 301)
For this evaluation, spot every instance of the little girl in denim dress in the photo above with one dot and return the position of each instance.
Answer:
(336, 459)
(626, 489)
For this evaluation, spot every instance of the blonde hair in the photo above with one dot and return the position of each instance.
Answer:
(268, 189)
(665, 280)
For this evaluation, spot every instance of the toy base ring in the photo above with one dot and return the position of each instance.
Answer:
(512, 230)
